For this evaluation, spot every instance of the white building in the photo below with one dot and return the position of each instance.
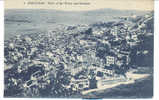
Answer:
(110, 60)
(114, 31)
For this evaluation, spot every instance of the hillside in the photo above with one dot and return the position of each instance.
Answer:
(63, 59)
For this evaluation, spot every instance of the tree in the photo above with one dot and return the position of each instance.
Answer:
(102, 50)
(59, 78)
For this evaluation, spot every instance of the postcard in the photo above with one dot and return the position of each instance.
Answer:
(78, 49)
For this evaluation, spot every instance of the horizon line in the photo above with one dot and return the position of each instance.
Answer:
(78, 10)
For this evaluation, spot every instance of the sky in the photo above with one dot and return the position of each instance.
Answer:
(143, 5)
